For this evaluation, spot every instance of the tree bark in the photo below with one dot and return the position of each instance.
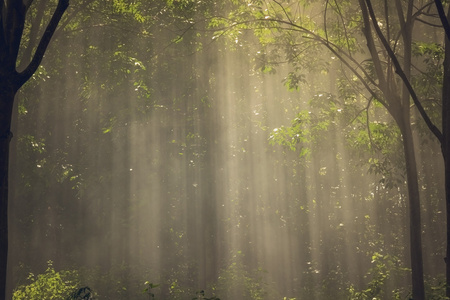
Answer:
(6, 103)
(415, 227)
(445, 147)
(399, 107)
(12, 22)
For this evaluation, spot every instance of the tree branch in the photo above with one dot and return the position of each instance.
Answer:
(343, 25)
(27, 3)
(33, 35)
(72, 15)
(372, 48)
(45, 40)
(443, 17)
(13, 24)
(399, 71)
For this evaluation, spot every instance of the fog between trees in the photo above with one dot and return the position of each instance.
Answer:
(226, 147)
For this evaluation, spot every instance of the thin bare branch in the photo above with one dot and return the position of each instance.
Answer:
(284, 10)
(343, 25)
(429, 23)
(372, 48)
(399, 71)
(325, 29)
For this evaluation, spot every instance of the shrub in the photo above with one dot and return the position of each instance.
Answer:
(49, 285)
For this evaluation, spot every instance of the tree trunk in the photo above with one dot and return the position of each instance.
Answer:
(415, 227)
(445, 146)
(446, 154)
(12, 22)
(415, 223)
(6, 103)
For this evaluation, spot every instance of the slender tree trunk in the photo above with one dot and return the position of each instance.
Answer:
(6, 103)
(446, 153)
(415, 227)
(415, 222)
(445, 146)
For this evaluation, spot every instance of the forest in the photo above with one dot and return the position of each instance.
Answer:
(238, 149)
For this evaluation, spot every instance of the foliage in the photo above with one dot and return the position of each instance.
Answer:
(83, 293)
(236, 281)
(298, 136)
(200, 295)
(148, 289)
(162, 151)
(385, 267)
(51, 284)
(435, 288)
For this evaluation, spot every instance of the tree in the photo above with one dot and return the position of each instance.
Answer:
(340, 32)
(13, 18)
(444, 139)
(443, 135)
(398, 106)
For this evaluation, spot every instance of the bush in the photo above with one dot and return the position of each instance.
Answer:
(49, 285)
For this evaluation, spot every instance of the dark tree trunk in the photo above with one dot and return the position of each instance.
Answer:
(398, 106)
(6, 103)
(415, 227)
(403, 119)
(12, 22)
(446, 151)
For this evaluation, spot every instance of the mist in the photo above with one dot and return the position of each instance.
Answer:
(156, 153)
